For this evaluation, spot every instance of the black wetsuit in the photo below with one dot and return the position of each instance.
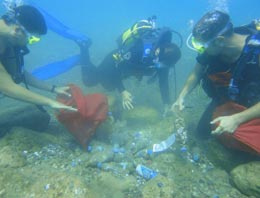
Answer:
(13, 61)
(110, 73)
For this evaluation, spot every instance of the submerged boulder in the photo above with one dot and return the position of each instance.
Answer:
(27, 116)
(247, 178)
(159, 186)
(10, 157)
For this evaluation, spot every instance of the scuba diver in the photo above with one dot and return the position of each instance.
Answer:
(17, 28)
(143, 50)
(228, 64)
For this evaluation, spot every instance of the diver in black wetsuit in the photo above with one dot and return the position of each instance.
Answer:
(150, 54)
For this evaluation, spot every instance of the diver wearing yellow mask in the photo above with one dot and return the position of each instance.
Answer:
(16, 30)
(228, 66)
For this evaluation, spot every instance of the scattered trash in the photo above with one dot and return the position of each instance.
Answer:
(109, 113)
(73, 163)
(99, 165)
(46, 187)
(164, 144)
(183, 149)
(116, 149)
(160, 184)
(145, 172)
(196, 157)
(89, 148)
(124, 165)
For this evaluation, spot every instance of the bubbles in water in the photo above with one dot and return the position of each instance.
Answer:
(221, 5)
(191, 23)
(11, 4)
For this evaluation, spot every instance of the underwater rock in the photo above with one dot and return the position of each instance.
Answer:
(221, 156)
(28, 116)
(57, 184)
(159, 186)
(108, 185)
(9, 157)
(141, 115)
(99, 155)
(247, 178)
(21, 139)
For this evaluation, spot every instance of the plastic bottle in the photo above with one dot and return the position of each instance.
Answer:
(145, 172)
(145, 153)
(164, 144)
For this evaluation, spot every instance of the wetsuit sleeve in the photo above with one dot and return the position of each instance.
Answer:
(163, 75)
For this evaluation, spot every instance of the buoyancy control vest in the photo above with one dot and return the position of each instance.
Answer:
(13, 62)
(151, 40)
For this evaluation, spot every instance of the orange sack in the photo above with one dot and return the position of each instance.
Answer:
(247, 135)
(92, 111)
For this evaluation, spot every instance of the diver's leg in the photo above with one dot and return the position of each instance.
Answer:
(88, 69)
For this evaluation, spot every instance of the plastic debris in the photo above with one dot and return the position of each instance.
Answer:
(124, 165)
(160, 184)
(73, 163)
(144, 153)
(115, 150)
(183, 149)
(196, 157)
(89, 148)
(145, 172)
(164, 144)
(99, 165)
(46, 187)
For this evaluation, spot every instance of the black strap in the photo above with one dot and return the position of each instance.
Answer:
(249, 56)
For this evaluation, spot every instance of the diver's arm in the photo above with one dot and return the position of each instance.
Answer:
(31, 80)
(9, 88)
(190, 84)
(39, 84)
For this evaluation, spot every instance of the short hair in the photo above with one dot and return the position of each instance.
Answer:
(31, 18)
(211, 24)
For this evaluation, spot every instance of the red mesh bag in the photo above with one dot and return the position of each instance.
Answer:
(247, 135)
(92, 110)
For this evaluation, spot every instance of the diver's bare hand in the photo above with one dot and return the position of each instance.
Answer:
(227, 124)
(127, 100)
(59, 106)
(178, 105)
(63, 90)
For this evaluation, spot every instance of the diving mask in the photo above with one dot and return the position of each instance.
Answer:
(11, 20)
(201, 46)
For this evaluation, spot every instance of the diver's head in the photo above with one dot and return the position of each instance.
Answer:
(210, 31)
(169, 54)
(24, 22)
(31, 19)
